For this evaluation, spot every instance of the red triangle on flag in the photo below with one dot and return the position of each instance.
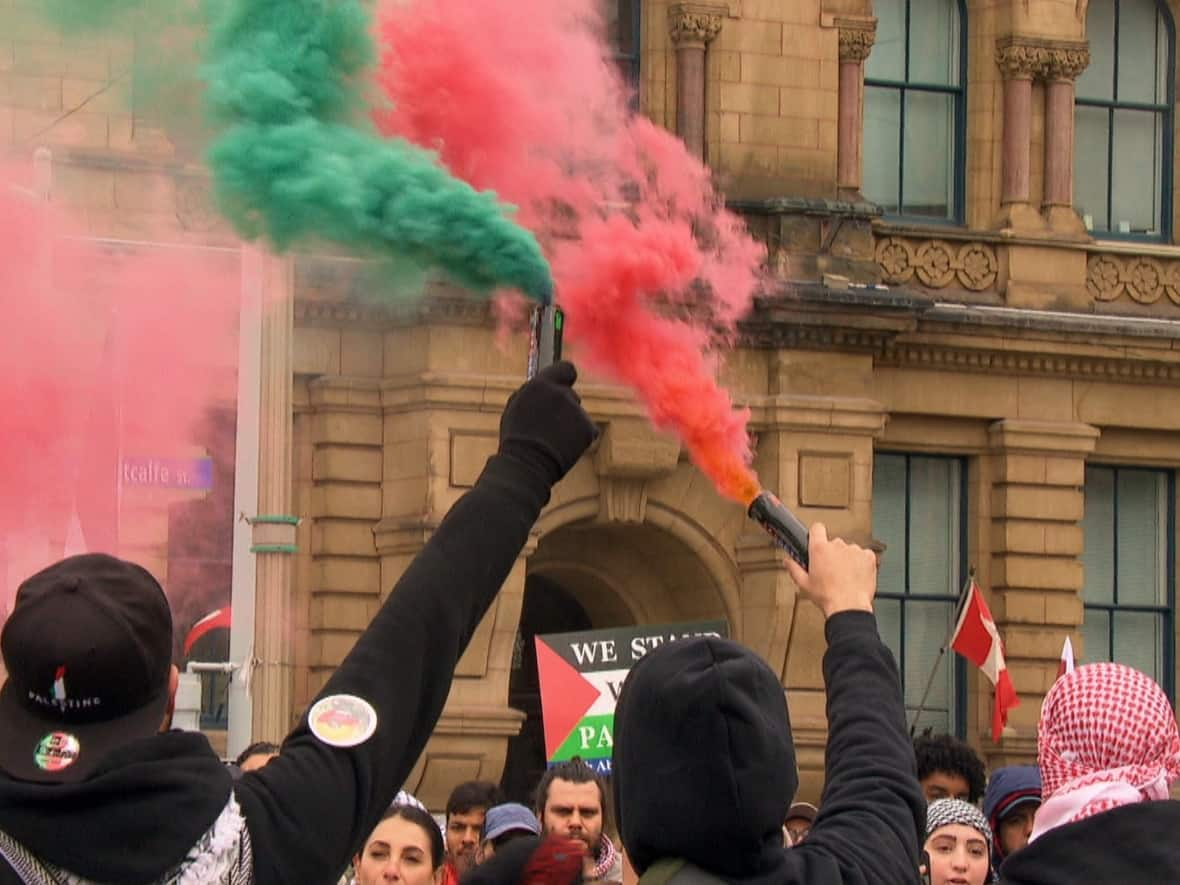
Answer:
(565, 696)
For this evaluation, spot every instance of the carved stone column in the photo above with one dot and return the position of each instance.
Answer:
(1018, 60)
(272, 679)
(692, 27)
(856, 42)
(1065, 62)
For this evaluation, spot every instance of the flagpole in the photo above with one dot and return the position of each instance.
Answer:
(942, 651)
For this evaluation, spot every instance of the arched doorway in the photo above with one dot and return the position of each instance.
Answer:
(589, 576)
(547, 608)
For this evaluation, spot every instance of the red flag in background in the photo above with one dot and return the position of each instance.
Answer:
(218, 619)
(1066, 663)
(977, 639)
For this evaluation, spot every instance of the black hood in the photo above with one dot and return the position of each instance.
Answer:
(132, 820)
(704, 765)
(1132, 843)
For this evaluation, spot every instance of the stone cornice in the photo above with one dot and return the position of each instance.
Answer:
(1038, 58)
(925, 355)
(352, 313)
(856, 37)
(695, 24)
(1061, 437)
(810, 413)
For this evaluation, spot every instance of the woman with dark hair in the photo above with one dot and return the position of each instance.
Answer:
(405, 846)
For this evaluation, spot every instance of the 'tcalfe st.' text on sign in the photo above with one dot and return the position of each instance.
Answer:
(167, 473)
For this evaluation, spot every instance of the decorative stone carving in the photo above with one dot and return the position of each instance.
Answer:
(694, 24)
(1034, 58)
(1142, 278)
(856, 38)
(937, 263)
(1053, 365)
(1068, 62)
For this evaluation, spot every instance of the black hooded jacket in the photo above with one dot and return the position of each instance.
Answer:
(1130, 844)
(704, 765)
(310, 808)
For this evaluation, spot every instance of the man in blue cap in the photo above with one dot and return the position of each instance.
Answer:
(502, 824)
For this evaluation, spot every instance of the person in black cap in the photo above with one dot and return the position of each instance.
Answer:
(704, 764)
(93, 785)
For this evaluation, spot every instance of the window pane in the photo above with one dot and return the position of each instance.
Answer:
(1098, 536)
(620, 25)
(889, 625)
(882, 138)
(1097, 81)
(887, 60)
(1138, 62)
(1135, 185)
(927, 624)
(934, 42)
(1096, 636)
(934, 526)
(928, 185)
(889, 520)
(1142, 541)
(1091, 171)
(1139, 642)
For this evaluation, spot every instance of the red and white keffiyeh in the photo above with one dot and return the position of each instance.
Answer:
(1107, 737)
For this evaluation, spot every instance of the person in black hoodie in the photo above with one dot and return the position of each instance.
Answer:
(89, 789)
(1108, 750)
(704, 765)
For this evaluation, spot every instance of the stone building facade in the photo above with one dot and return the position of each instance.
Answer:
(972, 354)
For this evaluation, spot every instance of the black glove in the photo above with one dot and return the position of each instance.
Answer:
(544, 424)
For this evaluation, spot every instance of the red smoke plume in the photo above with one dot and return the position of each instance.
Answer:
(518, 96)
(107, 352)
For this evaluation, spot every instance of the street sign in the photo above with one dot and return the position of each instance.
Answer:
(167, 473)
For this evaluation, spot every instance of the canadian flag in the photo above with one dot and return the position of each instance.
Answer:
(977, 639)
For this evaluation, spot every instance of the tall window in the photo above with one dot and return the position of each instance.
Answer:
(622, 34)
(914, 109)
(1123, 120)
(1129, 529)
(918, 511)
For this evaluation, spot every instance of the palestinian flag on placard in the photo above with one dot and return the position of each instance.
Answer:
(577, 702)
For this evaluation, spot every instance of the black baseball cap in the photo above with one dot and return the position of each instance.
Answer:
(88, 648)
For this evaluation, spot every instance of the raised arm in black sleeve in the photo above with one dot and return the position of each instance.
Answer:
(872, 813)
(312, 807)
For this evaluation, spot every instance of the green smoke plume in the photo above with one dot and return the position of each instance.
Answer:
(295, 157)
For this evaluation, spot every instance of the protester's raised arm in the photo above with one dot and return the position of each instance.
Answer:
(316, 803)
(872, 812)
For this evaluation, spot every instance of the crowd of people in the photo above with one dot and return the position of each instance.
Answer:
(95, 785)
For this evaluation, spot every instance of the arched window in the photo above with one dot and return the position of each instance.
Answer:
(1123, 120)
(914, 109)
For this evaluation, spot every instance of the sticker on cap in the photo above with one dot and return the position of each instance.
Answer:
(342, 720)
(56, 751)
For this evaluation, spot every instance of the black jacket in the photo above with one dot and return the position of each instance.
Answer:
(704, 765)
(1130, 844)
(311, 807)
